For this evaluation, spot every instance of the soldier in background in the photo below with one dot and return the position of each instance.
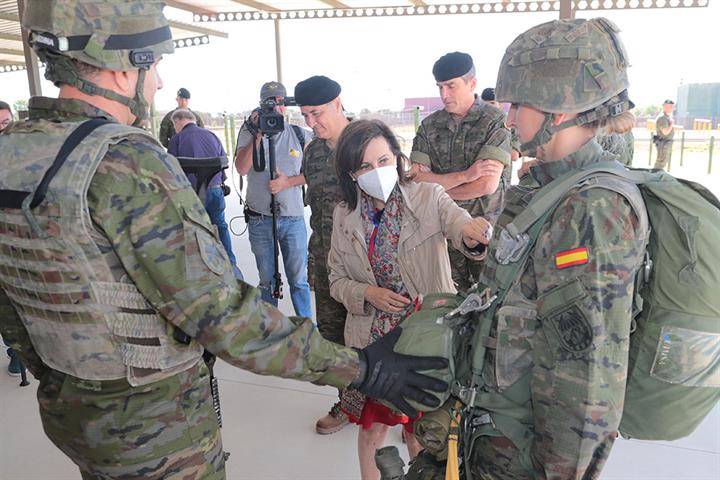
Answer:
(320, 104)
(664, 133)
(113, 280)
(488, 96)
(167, 128)
(465, 148)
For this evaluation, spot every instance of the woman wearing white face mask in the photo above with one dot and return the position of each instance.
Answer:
(388, 249)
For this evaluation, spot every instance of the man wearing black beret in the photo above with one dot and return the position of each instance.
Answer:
(167, 128)
(465, 148)
(488, 96)
(319, 101)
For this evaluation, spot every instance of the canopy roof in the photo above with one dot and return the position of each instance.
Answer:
(250, 10)
(12, 56)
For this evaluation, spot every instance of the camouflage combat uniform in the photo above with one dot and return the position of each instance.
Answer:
(548, 365)
(620, 144)
(446, 147)
(663, 143)
(150, 235)
(565, 329)
(322, 196)
(167, 127)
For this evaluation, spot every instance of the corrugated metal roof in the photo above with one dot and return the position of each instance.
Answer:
(11, 47)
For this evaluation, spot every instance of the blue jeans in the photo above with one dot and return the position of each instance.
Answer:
(292, 237)
(215, 207)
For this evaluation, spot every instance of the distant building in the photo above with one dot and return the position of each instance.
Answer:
(427, 105)
(698, 104)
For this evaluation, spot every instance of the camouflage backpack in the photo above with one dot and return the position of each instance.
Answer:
(674, 366)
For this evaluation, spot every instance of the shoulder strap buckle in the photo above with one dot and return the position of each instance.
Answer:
(475, 302)
(510, 249)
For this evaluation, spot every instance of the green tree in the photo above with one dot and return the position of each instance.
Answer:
(651, 110)
(20, 106)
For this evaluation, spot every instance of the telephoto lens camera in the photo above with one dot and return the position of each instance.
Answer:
(271, 122)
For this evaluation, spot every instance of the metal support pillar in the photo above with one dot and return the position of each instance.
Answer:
(566, 10)
(278, 50)
(31, 60)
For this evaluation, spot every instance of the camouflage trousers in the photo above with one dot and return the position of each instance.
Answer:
(664, 154)
(110, 430)
(329, 314)
(464, 271)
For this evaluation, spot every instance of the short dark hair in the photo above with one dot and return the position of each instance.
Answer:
(350, 152)
(5, 106)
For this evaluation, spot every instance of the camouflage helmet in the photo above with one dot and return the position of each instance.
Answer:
(108, 34)
(564, 66)
(113, 35)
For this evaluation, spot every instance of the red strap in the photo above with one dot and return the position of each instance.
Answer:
(371, 248)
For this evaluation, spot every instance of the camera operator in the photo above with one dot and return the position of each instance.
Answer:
(287, 185)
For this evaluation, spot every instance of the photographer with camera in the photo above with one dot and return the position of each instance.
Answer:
(283, 188)
(193, 141)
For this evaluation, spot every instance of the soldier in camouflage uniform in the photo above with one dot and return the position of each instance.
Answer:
(549, 395)
(112, 279)
(664, 133)
(322, 109)
(167, 127)
(465, 148)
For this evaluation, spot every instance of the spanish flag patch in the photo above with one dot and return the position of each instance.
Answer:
(570, 258)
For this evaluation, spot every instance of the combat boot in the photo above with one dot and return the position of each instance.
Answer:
(333, 422)
(14, 367)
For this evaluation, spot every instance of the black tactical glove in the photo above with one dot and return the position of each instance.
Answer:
(386, 375)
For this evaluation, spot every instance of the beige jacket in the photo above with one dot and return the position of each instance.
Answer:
(429, 217)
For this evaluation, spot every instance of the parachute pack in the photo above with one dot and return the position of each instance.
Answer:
(674, 357)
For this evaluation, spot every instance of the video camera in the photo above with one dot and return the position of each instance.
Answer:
(269, 121)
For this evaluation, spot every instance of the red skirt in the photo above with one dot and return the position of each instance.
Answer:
(374, 412)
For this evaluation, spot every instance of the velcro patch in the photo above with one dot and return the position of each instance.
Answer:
(570, 258)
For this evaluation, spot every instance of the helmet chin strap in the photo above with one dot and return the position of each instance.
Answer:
(61, 69)
(541, 137)
(547, 129)
(140, 107)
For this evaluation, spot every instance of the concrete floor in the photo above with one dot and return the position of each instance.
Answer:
(269, 427)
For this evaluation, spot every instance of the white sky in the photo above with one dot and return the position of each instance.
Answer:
(381, 61)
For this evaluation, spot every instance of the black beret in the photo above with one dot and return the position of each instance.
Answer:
(668, 102)
(317, 90)
(183, 93)
(452, 65)
(488, 94)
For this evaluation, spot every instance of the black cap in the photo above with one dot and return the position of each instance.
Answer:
(183, 93)
(452, 65)
(668, 102)
(272, 89)
(317, 90)
(488, 94)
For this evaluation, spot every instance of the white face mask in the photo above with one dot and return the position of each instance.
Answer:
(379, 182)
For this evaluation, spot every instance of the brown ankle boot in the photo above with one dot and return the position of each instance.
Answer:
(333, 422)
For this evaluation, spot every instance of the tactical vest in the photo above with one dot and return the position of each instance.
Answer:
(85, 317)
(501, 352)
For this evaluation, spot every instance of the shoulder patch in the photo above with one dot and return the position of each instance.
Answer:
(573, 329)
(570, 258)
